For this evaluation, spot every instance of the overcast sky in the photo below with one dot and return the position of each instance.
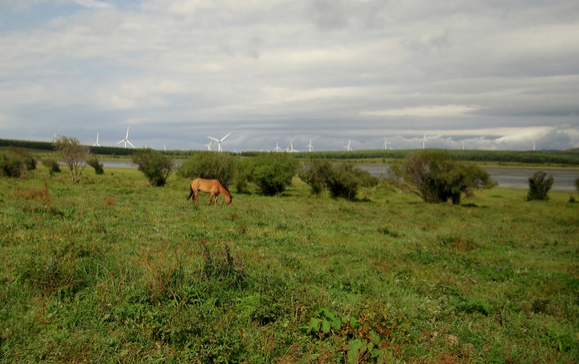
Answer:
(494, 74)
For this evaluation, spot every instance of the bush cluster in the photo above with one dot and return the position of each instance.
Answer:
(155, 166)
(435, 177)
(271, 172)
(211, 165)
(342, 180)
(539, 186)
(16, 162)
(52, 166)
(98, 166)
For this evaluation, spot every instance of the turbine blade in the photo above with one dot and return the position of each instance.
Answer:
(222, 139)
(130, 144)
(214, 139)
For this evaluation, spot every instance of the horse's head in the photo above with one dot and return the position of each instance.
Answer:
(229, 199)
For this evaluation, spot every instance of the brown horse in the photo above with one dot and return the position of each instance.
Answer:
(212, 186)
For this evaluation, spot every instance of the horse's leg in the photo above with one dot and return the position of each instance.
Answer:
(195, 197)
(211, 198)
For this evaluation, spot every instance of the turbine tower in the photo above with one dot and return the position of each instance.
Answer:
(219, 141)
(424, 141)
(386, 143)
(291, 148)
(97, 141)
(310, 146)
(209, 146)
(277, 148)
(126, 140)
(347, 147)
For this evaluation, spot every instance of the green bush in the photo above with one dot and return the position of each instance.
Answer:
(98, 166)
(539, 186)
(342, 180)
(315, 172)
(272, 172)
(436, 178)
(345, 180)
(16, 162)
(211, 165)
(52, 165)
(155, 166)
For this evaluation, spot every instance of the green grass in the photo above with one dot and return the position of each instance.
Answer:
(112, 270)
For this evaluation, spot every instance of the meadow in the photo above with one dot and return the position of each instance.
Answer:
(113, 270)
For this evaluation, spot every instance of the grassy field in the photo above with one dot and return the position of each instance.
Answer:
(111, 270)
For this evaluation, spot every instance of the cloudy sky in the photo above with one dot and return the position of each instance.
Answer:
(489, 74)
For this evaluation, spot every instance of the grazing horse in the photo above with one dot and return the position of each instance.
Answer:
(212, 186)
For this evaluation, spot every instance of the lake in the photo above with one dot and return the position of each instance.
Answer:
(503, 176)
(509, 176)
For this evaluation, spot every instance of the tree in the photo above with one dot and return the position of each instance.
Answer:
(16, 162)
(539, 186)
(436, 178)
(73, 154)
(155, 166)
(272, 172)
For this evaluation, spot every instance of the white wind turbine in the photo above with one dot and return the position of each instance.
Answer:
(126, 140)
(310, 146)
(347, 147)
(424, 141)
(291, 149)
(219, 141)
(97, 141)
(386, 143)
(209, 146)
(277, 148)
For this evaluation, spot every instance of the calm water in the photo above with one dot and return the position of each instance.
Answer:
(505, 177)
(510, 177)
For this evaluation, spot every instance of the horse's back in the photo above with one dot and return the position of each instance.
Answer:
(206, 185)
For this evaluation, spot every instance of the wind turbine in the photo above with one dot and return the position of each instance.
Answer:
(97, 142)
(219, 141)
(386, 143)
(292, 150)
(209, 146)
(424, 141)
(310, 146)
(126, 140)
(347, 147)
(277, 148)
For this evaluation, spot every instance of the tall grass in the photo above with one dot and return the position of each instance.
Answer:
(112, 270)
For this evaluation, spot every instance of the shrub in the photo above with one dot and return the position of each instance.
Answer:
(272, 172)
(316, 172)
(16, 163)
(539, 186)
(73, 154)
(436, 178)
(52, 165)
(211, 165)
(155, 166)
(98, 166)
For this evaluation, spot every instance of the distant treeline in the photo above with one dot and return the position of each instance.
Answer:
(570, 157)
(501, 156)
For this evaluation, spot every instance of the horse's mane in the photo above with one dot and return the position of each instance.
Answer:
(224, 186)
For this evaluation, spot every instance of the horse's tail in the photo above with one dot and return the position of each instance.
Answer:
(190, 193)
